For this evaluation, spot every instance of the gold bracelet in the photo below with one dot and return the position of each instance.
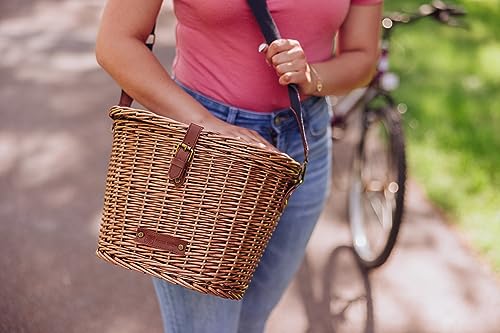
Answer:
(319, 83)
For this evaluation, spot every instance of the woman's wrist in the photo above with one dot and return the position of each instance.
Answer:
(316, 84)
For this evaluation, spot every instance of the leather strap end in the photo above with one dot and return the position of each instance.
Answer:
(184, 155)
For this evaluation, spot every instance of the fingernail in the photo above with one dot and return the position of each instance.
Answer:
(262, 47)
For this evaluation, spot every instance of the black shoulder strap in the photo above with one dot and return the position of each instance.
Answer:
(270, 31)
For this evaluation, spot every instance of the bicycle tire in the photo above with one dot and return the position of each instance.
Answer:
(358, 193)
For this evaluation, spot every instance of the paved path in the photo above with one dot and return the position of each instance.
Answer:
(54, 141)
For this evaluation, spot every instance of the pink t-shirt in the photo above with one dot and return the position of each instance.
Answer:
(217, 45)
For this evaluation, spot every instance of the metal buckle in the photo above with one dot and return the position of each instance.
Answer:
(187, 149)
(302, 173)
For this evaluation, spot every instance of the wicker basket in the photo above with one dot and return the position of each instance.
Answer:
(217, 223)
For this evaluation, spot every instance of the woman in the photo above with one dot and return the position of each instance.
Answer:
(227, 83)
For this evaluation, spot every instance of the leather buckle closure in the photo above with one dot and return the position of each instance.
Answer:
(184, 153)
(187, 149)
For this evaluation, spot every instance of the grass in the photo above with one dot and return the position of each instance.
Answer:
(451, 84)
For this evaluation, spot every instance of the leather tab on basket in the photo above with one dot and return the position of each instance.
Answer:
(160, 241)
(184, 155)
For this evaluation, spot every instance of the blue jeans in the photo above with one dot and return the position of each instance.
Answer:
(186, 311)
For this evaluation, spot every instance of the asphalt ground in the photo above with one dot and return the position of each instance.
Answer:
(55, 139)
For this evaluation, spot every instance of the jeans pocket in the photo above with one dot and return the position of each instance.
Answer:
(318, 119)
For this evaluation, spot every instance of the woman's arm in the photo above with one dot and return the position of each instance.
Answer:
(357, 52)
(353, 66)
(121, 51)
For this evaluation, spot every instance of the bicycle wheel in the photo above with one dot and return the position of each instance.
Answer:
(376, 194)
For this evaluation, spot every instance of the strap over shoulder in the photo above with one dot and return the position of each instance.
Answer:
(271, 33)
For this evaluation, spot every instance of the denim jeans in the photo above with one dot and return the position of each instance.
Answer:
(186, 311)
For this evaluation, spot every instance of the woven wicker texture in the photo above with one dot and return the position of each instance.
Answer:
(226, 210)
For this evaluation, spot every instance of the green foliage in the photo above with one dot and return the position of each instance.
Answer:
(451, 84)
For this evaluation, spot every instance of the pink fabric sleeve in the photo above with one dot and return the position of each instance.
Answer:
(366, 2)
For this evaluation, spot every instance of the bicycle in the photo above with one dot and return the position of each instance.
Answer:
(378, 181)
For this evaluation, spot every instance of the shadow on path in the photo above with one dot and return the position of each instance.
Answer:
(346, 303)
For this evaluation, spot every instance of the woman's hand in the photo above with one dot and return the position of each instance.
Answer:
(214, 124)
(354, 63)
(290, 63)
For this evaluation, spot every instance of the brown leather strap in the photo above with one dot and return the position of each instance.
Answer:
(125, 99)
(184, 155)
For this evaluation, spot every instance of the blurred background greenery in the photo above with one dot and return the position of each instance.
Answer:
(451, 84)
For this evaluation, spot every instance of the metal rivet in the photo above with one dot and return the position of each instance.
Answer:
(180, 247)
(140, 234)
